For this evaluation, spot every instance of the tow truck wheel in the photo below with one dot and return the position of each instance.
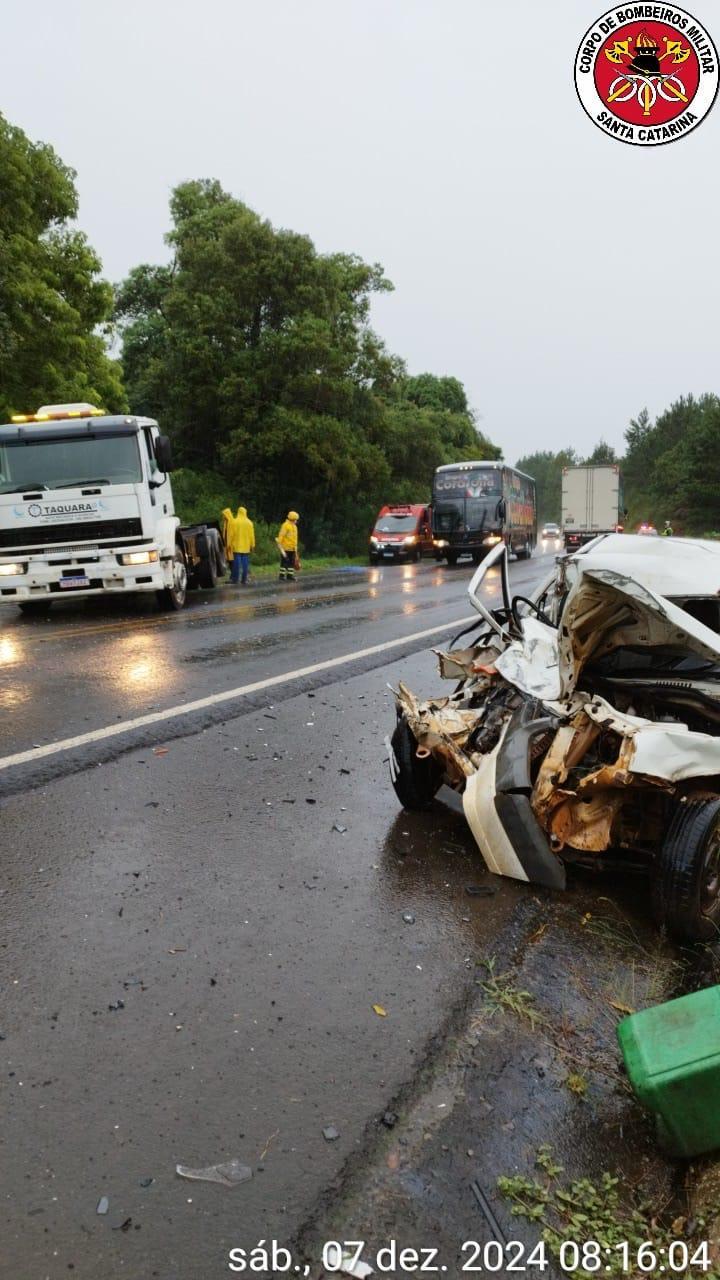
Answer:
(686, 888)
(416, 781)
(35, 606)
(452, 558)
(174, 597)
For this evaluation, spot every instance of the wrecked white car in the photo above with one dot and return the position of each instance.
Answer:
(585, 723)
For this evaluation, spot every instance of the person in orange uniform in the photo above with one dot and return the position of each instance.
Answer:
(287, 541)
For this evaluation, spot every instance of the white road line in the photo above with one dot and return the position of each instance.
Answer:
(216, 699)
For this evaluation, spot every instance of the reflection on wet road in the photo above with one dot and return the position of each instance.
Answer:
(195, 932)
(94, 663)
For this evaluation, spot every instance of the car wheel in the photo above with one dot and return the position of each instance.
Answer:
(35, 606)
(477, 557)
(452, 557)
(174, 597)
(416, 781)
(686, 888)
(373, 559)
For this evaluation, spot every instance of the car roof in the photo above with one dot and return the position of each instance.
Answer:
(673, 567)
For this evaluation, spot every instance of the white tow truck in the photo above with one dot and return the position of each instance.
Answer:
(86, 509)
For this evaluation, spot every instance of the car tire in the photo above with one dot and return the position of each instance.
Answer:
(417, 780)
(477, 557)
(372, 559)
(35, 607)
(173, 598)
(686, 885)
(452, 558)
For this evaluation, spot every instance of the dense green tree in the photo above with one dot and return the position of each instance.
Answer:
(256, 353)
(684, 485)
(546, 468)
(52, 300)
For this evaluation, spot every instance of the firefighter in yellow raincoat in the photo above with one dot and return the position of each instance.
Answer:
(243, 542)
(226, 524)
(287, 541)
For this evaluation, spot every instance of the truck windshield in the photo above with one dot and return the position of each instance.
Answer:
(396, 524)
(68, 462)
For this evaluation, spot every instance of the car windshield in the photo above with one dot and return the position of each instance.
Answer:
(396, 524)
(67, 462)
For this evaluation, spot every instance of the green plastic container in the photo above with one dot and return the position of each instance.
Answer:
(672, 1056)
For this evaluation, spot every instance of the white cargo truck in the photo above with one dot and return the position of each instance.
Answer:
(86, 509)
(592, 503)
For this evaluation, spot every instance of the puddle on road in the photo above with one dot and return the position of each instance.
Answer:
(262, 643)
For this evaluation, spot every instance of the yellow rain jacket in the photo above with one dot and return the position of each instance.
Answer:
(287, 538)
(243, 532)
(228, 521)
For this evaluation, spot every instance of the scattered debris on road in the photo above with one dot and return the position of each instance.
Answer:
(330, 1133)
(228, 1174)
(103, 1205)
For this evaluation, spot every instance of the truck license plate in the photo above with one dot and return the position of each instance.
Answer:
(79, 580)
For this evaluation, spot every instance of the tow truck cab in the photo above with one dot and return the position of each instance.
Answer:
(402, 531)
(86, 508)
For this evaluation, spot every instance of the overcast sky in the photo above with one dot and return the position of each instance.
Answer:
(567, 279)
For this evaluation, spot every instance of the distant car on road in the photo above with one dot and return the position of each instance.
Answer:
(648, 531)
(550, 530)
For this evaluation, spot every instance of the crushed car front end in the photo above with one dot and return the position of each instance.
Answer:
(584, 728)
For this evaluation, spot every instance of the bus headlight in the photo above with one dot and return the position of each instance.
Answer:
(11, 570)
(138, 557)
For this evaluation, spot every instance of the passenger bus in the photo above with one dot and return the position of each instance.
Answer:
(475, 505)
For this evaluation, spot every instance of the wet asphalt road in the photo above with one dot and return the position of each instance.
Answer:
(189, 950)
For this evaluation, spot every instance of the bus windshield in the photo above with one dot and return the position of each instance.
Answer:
(69, 461)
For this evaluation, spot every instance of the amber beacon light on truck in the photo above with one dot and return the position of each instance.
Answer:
(59, 413)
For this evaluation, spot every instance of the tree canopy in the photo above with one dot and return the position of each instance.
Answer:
(546, 468)
(672, 466)
(52, 300)
(256, 353)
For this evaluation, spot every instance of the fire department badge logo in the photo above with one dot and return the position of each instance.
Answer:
(647, 74)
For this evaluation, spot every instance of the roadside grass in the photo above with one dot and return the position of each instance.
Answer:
(652, 971)
(502, 993)
(310, 564)
(606, 1212)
